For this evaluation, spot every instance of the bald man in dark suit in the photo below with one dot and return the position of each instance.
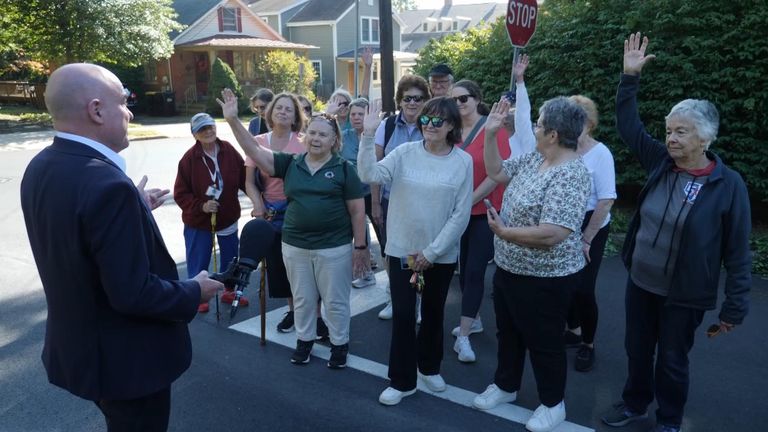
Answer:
(116, 332)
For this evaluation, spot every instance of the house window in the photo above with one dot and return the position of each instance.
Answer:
(244, 65)
(369, 30)
(317, 65)
(265, 19)
(440, 26)
(375, 72)
(425, 27)
(229, 19)
(370, 2)
(150, 71)
(455, 25)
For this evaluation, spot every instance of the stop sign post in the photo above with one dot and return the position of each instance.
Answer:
(521, 24)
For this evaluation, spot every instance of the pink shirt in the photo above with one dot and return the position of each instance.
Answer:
(273, 187)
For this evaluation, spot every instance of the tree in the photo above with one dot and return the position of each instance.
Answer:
(283, 71)
(704, 51)
(222, 76)
(127, 32)
(401, 5)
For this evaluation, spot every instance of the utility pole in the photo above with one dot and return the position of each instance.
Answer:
(387, 61)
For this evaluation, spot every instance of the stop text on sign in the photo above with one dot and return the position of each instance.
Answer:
(521, 15)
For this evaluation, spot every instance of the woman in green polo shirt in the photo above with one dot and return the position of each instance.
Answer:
(325, 211)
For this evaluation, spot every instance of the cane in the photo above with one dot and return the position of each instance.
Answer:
(215, 266)
(263, 301)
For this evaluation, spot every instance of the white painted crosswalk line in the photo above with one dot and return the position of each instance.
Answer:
(363, 300)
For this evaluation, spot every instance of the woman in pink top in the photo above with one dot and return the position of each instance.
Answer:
(477, 240)
(286, 119)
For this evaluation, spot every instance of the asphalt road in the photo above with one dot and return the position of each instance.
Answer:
(234, 384)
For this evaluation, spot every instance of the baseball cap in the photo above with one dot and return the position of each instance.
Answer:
(199, 121)
(440, 69)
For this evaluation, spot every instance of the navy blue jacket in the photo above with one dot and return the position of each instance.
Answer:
(716, 230)
(117, 314)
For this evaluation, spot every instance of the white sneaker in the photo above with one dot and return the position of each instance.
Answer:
(436, 383)
(493, 396)
(477, 327)
(391, 396)
(386, 313)
(367, 280)
(545, 419)
(464, 349)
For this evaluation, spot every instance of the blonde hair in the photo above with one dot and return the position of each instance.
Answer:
(590, 108)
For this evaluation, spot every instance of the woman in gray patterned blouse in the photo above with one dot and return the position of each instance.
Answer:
(538, 255)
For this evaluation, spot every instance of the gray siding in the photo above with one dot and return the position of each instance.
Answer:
(287, 15)
(273, 22)
(322, 37)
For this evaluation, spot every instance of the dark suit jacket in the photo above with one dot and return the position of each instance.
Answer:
(117, 314)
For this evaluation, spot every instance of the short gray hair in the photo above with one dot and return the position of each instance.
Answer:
(566, 118)
(702, 113)
(359, 102)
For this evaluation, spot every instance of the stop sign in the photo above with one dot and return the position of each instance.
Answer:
(521, 21)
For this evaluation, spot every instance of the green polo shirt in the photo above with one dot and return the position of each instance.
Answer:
(317, 215)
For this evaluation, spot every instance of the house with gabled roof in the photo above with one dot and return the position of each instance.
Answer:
(334, 27)
(421, 25)
(226, 29)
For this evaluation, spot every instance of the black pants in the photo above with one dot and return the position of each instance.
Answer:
(583, 312)
(145, 414)
(380, 232)
(476, 250)
(530, 315)
(409, 350)
(653, 326)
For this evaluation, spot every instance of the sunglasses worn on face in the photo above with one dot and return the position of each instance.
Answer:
(343, 104)
(462, 98)
(436, 121)
(308, 109)
(407, 99)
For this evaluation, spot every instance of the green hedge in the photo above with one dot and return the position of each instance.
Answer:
(705, 49)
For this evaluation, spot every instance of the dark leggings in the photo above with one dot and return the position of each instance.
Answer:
(380, 234)
(583, 311)
(476, 250)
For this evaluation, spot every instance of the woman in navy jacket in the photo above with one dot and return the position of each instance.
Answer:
(693, 216)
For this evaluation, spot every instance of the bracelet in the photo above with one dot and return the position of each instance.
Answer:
(363, 247)
(586, 242)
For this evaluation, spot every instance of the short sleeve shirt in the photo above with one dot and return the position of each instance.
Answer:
(557, 196)
(317, 215)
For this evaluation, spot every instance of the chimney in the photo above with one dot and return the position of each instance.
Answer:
(448, 4)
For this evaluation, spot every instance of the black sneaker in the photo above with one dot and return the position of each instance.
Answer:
(322, 330)
(585, 359)
(572, 340)
(286, 325)
(621, 415)
(338, 356)
(301, 355)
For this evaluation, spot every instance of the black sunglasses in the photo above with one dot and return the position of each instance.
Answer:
(436, 121)
(407, 99)
(462, 98)
(308, 109)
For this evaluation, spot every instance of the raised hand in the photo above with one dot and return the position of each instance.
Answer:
(334, 105)
(367, 57)
(520, 67)
(372, 118)
(634, 54)
(496, 117)
(229, 105)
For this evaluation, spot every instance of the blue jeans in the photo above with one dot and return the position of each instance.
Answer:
(199, 244)
(668, 330)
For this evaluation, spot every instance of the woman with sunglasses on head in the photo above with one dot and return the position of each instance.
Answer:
(286, 121)
(318, 251)
(411, 95)
(429, 207)
(538, 255)
(477, 241)
(259, 102)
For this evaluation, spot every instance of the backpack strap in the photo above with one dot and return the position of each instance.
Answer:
(389, 129)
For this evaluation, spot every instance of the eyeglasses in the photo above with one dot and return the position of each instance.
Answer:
(462, 98)
(436, 121)
(416, 99)
(343, 104)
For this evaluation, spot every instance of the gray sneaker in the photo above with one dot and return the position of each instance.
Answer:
(362, 282)
(621, 415)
